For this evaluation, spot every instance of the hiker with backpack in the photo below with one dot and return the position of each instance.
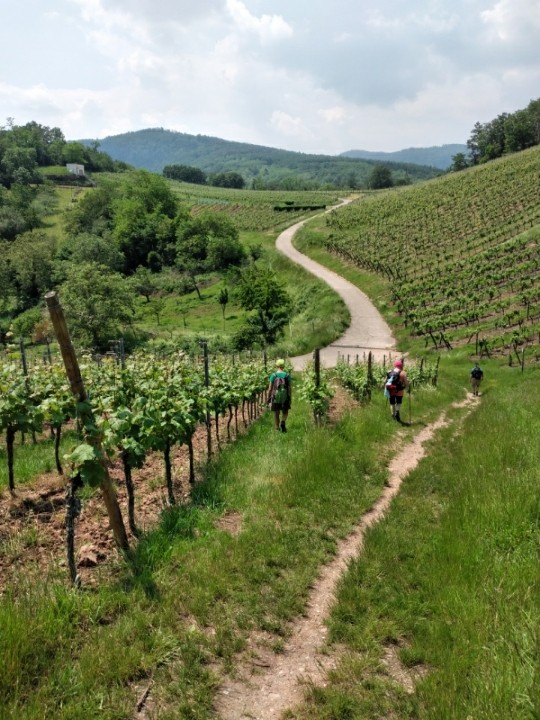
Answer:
(279, 394)
(394, 388)
(476, 378)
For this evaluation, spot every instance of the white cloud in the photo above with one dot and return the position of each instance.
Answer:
(315, 77)
(268, 28)
(513, 20)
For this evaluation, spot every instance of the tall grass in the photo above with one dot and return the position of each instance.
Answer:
(450, 578)
(194, 590)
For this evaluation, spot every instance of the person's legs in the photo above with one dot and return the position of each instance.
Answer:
(276, 419)
(284, 416)
(398, 408)
(393, 405)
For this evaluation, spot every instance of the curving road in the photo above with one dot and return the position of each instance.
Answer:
(368, 331)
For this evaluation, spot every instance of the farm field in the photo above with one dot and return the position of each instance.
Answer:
(255, 209)
(435, 618)
(471, 235)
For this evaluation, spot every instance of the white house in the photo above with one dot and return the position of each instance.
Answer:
(75, 168)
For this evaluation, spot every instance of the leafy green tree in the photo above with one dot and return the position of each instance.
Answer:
(97, 303)
(228, 179)
(144, 218)
(207, 243)
(87, 247)
(259, 291)
(31, 267)
(459, 162)
(185, 173)
(94, 212)
(74, 152)
(143, 282)
(223, 300)
(380, 178)
(520, 131)
(25, 323)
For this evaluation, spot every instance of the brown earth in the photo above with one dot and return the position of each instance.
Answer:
(32, 519)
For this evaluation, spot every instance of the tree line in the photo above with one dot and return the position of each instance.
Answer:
(131, 236)
(507, 133)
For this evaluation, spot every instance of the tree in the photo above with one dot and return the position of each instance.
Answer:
(223, 299)
(143, 282)
(380, 178)
(185, 173)
(87, 247)
(258, 290)
(31, 265)
(459, 162)
(227, 179)
(144, 218)
(96, 303)
(207, 243)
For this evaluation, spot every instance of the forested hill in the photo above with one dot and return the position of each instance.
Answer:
(155, 148)
(438, 156)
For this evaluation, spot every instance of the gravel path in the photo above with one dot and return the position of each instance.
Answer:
(368, 331)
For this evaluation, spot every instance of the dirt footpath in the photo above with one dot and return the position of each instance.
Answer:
(269, 684)
(368, 331)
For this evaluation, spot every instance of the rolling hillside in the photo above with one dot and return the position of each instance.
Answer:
(153, 149)
(439, 156)
(461, 253)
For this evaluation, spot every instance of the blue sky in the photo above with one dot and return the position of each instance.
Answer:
(302, 75)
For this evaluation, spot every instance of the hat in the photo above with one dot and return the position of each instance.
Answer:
(398, 364)
(280, 362)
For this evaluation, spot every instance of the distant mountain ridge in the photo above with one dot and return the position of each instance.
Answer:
(154, 148)
(438, 156)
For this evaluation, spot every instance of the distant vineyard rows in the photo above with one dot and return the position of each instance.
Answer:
(251, 209)
(461, 252)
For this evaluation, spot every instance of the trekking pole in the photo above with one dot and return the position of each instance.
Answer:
(410, 416)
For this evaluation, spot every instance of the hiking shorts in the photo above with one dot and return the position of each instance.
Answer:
(280, 407)
(396, 399)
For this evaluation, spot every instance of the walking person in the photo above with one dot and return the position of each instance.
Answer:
(280, 395)
(476, 378)
(394, 388)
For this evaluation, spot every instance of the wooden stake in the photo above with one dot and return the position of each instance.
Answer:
(77, 388)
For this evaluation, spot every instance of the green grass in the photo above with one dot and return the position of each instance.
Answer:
(450, 577)
(319, 315)
(196, 591)
(32, 460)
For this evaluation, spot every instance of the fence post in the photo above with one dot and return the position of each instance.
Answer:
(23, 357)
(317, 363)
(77, 388)
(204, 345)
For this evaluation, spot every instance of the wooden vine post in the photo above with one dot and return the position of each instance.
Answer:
(208, 422)
(77, 388)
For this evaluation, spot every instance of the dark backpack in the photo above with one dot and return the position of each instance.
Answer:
(476, 373)
(393, 382)
(280, 390)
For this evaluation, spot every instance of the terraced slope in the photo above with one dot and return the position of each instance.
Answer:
(461, 252)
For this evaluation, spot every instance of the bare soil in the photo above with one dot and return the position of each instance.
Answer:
(32, 519)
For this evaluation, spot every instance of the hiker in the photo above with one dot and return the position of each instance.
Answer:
(279, 393)
(394, 388)
(476, 378)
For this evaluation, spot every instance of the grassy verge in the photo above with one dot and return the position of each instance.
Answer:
(195, 591)
(32, 460)
(319, 315)
(448, 581)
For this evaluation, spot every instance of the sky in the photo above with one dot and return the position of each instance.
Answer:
(303, 75)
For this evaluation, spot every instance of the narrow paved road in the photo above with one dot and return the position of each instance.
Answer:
(368, 331)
